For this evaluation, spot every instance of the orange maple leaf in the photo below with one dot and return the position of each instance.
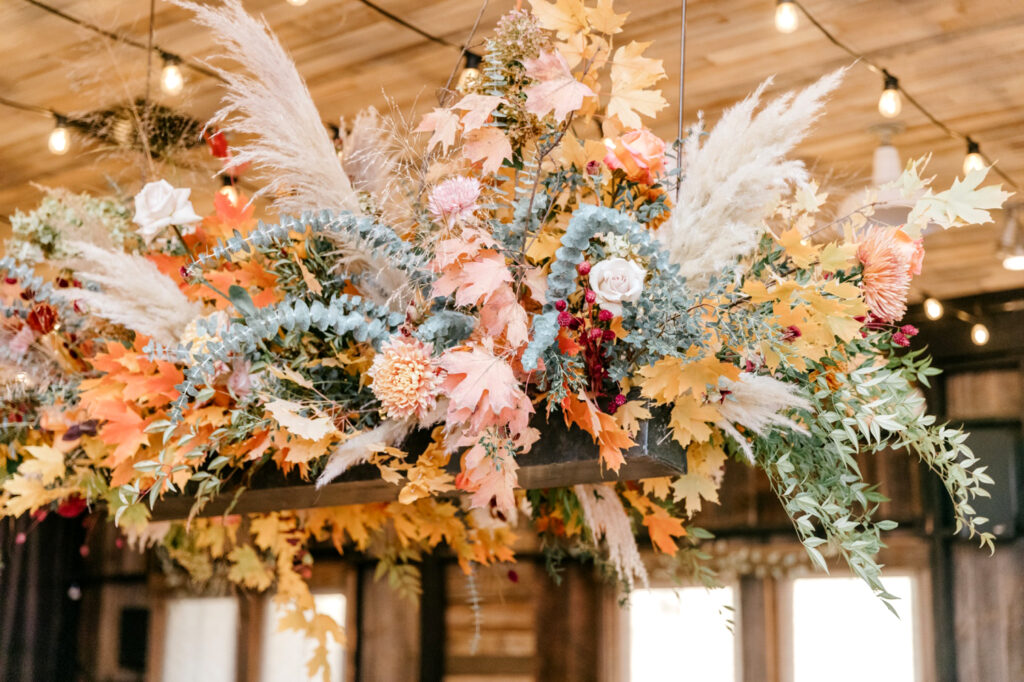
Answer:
(489, 146)
(663, 528)
(610, 438)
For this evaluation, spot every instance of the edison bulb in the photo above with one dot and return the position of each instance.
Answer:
(889, 104)
(787, 19)
(973, 161)
(60, 140)
(979, 334)
(230, 192)
(932, 308)
(467, 79)
(172, 80)
(1014, 261)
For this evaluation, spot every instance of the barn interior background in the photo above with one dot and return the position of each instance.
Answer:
(120, 617)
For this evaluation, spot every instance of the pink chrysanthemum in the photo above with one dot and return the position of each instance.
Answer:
(454, 200)
(890, 258)
(405, 378)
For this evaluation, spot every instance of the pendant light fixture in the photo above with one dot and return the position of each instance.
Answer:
(787, 17)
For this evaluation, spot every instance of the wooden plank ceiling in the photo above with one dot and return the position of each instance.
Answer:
(963, 59)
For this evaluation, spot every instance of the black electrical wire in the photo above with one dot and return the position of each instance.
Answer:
(890, 78)
(402, 22)
(127, 40)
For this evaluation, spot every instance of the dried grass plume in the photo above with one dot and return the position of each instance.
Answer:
(158, 309)
(271, 108)
(736, 173)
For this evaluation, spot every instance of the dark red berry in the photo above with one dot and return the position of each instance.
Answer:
(565, 319)
(605, 315)
(583, 268)
(561, 305)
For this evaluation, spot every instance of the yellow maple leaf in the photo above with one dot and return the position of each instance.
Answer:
(836, 256)
(286, 413)
(670, 377)
(603, 18)
(264, 530)
(657, 487)
(302, 450)
(691, 488)
(798, 248)
(47, 463)
(249, 569)
(629, 416)
(707, 459)
(690, 420)
(564, 17)
(573, 152)
(28, 494)
(632, 75)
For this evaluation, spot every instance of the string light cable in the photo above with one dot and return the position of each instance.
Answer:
(166, 55)
(892, 90)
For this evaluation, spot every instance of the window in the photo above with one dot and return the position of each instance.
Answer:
(682, 633)
(283, 653)
(202, 640)
(840, 633)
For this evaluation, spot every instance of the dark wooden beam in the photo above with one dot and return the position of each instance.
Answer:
(562, 457)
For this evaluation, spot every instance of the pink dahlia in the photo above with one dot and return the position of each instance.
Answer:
(454, 200)
(405, 378)
(890, 258)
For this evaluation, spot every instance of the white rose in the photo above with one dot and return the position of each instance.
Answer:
(160, 205)
(616, 280)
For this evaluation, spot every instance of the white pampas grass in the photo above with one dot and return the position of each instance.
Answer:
(755, 402)
(273, 111)
(133, 293)
(358, 448)
(606, 518)
(370, 155)
(736, 175)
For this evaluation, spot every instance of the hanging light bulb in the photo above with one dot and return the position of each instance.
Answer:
(974, 160)
(1015, 260)
(889, 104)
(172, 80)
(787, 19)
(1011, 246)
(228, 189)
(297, 3)
(933, 308)
(59, 141)
(230, 192)
(979, 334)
(471, 73)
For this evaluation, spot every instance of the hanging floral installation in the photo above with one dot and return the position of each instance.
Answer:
(529, 255)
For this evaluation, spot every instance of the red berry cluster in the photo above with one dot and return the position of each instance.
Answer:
(902, 336)
(591, 328)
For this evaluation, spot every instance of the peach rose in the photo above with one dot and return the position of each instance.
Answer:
(911, 251)
(640, 153)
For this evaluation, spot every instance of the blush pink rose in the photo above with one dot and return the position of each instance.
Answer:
(640, 153)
